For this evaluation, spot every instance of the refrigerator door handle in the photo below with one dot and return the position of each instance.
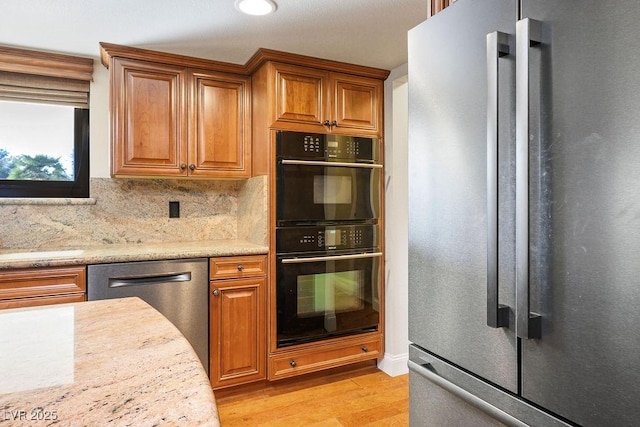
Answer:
(427, 371)
(528, 325)
(497, 46)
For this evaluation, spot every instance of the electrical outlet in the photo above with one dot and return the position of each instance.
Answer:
(174, 209)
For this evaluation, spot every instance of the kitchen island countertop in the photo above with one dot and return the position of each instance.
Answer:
(109, 362)
(109, 253)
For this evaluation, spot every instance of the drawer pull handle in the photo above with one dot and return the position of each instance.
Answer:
(293, 363)
(365, 348)
(240, 267)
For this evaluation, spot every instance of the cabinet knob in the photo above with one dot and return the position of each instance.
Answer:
(240, 267)
(365, 348)
(334, 123)
(215, 292)
(293, 363)
(326, 123)
(192, 167)
(183, 166)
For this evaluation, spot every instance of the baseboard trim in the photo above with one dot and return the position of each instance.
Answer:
(394, 364)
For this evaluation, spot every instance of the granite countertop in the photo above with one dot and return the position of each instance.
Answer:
(109, 362)
(108, 253)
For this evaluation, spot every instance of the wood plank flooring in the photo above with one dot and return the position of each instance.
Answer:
(359, 395)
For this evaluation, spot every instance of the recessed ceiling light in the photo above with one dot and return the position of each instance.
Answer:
(255, 7)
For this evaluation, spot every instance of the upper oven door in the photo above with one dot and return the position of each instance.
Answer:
(312, 191)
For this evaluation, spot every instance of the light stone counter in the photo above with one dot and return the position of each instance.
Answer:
(110, 362)
(102, 254)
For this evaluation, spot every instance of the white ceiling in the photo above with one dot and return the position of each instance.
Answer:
(364, 32)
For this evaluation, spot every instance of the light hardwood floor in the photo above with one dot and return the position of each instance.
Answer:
(360, 395)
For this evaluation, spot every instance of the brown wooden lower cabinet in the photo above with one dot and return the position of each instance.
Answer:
(237, 320)
(325, 356)
(38, 301)
(42, 286)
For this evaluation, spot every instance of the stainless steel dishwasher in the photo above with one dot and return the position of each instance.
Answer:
(176, 288)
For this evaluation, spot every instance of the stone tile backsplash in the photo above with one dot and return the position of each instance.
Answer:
(137, 211)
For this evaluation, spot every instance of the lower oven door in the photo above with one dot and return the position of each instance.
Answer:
(327, 296)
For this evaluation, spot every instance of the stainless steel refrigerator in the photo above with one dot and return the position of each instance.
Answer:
(524, 214)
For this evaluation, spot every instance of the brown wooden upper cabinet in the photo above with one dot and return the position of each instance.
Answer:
(308, 98)
(435, 6)
(172, 120)
(220, 125)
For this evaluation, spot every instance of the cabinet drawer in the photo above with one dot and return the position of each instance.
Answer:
(237, 267)
(318, 358)
(37, 301)
(39, 282)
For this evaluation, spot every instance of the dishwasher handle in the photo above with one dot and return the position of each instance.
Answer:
(149, 280)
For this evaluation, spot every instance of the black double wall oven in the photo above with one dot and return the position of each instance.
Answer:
(328, 191)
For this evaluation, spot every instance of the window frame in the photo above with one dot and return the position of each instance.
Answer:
(45, 65)
(78, 188)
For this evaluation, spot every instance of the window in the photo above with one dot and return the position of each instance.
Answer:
(44, 124)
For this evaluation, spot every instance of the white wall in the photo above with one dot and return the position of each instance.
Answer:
(396, 237)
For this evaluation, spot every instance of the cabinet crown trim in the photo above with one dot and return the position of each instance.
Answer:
(269, 55)
(109, 50)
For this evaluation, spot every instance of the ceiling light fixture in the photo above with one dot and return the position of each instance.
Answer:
(255, 7)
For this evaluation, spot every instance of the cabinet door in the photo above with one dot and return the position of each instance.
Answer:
(237, 327)
(301, 97)
(148, 130)
(356, 104)
(219, 120)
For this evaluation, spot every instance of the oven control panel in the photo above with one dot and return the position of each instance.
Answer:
(347, 149)
(313, 144)
(325, 238)
(327, 147)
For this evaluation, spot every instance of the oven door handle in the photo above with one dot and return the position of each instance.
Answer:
(331, 258)
(332, 164)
